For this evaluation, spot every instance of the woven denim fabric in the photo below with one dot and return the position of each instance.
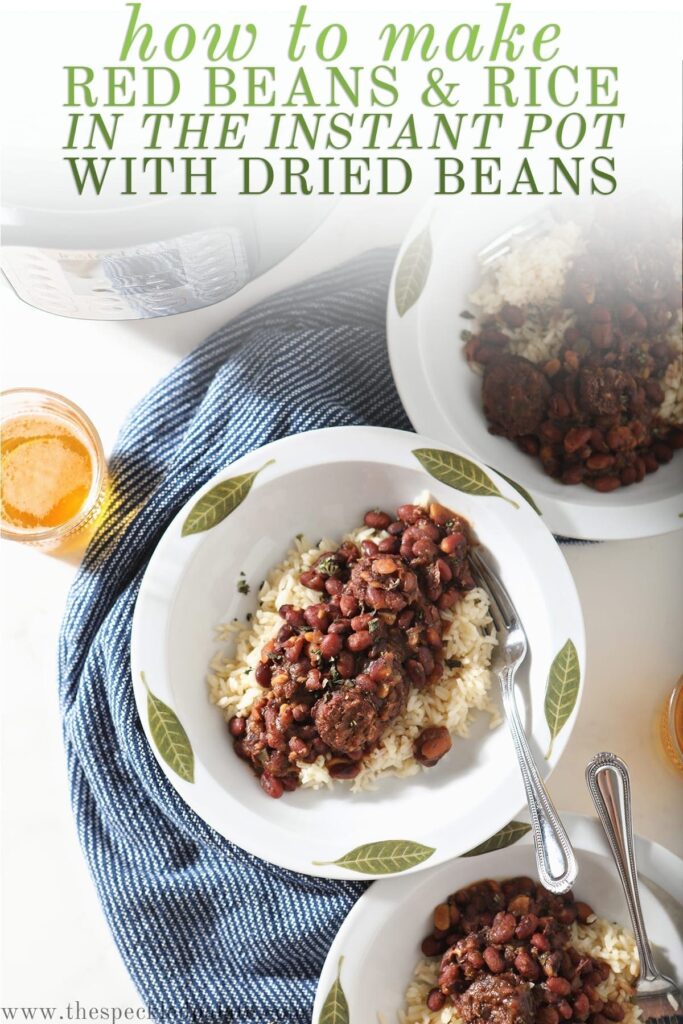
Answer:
(208, 932)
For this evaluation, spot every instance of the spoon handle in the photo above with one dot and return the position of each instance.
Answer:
(555, 860)
(610, 787)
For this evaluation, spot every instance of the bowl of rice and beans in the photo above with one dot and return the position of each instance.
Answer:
(332, 662)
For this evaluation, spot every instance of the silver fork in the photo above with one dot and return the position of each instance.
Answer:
(657, 995)
(522, 232)
(555, 858)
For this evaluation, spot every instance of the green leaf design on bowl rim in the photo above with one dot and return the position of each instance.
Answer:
(335, 1009)
(384, 857)
(562, 690)
(459, 472)
(413, 271)
(169, 736)
(506, 836)
(522, 491)
(217, 504)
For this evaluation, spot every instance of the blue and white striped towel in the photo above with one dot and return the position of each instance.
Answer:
(208, 932)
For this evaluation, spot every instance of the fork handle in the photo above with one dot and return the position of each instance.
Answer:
(555, 860)
(610, 787)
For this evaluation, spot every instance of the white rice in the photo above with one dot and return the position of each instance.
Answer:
(600, 939)
(532, 275)
(469, 637)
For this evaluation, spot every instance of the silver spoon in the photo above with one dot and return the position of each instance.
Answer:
(658, 996)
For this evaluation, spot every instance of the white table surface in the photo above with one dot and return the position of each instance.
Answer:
(56, 944)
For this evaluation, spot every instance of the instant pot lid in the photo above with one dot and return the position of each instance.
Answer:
(41, 208)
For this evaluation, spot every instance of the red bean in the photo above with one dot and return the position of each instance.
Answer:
(292, 616)
(432, 743)
(528, 924)
(361, 622)
(613, 1010)
(576, 438)
(331, 645)
(442, 917)
(583, 912)
(528, 444)
(341, 626)
(348, 605)
(605, 484)
(494, 960)
(540, 942)
(314, 680)
(263, 673)
(572, 474)
(432, 946)
(503, 928)
(312, 579)
(369, 548)
(451, 542)
(424, 548)
(345, 665)
(410, 513)
(340, 769)
(581, 1006)
(377, 520)
(449, 598)
(294, 648)
(237, 726)
(558, 986)
(271, 785)
(526, 965)
(600, 461)
(334, 586)
(359, 641)
(435, 1000)
(317, 617)
(388, 546)
(416, 673)
(445, 571)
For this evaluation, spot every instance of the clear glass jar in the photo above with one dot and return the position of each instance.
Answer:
(19, 408)
(671, 726)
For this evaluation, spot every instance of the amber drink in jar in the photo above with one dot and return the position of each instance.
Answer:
(671, 726)
(54, 475)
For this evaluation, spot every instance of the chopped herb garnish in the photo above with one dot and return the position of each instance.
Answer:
(299, 536)
(243, 586)
(466, 335)
(373, 626)
(466, 315)
(454, 662)
(248, 617)
(328, 565)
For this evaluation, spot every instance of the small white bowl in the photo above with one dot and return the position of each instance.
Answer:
(378, 945)
(442, 395)
(321, 484)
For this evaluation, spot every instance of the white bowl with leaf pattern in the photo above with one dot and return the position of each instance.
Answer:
(237, 528)
(436, 270)
(374, 953)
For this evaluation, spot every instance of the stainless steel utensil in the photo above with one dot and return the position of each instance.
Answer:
(524, 231)
(658, 996)
(557, 868)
